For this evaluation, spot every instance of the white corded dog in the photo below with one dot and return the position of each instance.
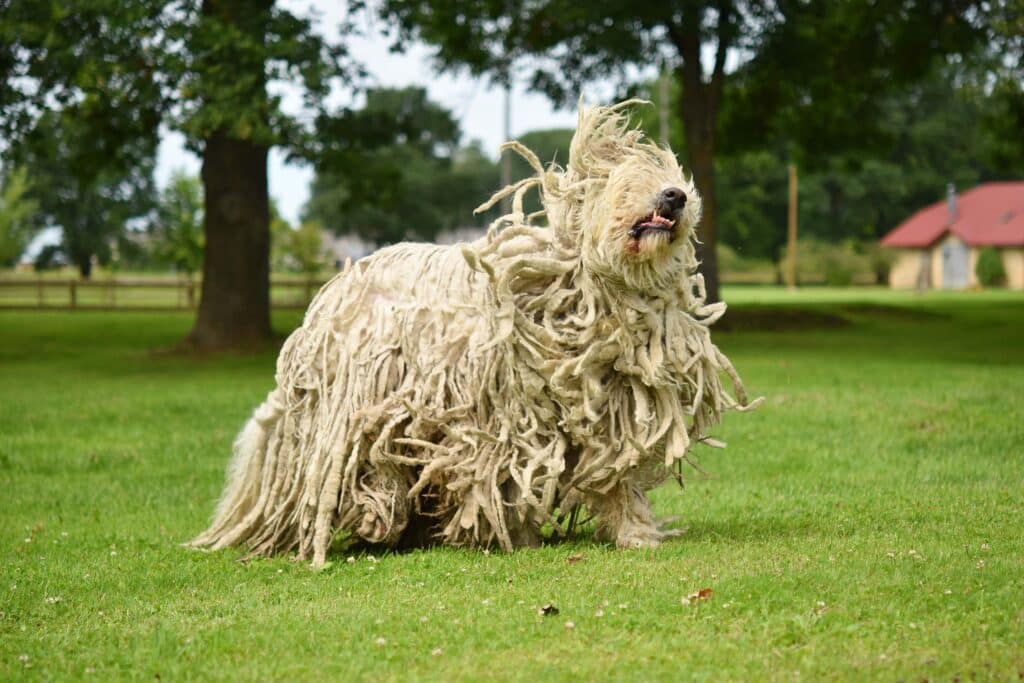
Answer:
(471, 394)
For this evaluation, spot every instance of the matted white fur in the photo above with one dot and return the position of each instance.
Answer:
(487, 389)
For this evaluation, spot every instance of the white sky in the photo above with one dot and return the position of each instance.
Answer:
(475, 104)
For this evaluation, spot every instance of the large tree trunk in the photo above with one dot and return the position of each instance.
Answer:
(698, 121)
(698, 106)
(84, 263)
(700, 158)
(234, 309)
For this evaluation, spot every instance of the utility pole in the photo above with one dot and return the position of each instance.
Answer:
(663, 105)
(506, 156)
(791, 242)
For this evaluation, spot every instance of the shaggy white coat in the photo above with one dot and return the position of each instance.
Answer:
(486, 389)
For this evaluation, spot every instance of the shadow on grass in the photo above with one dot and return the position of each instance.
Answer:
(789, 318)
(753, 529)
(778, 319)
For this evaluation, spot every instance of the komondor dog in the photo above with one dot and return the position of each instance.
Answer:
(473, 394)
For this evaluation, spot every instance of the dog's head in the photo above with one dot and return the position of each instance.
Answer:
(633, 212)
(622, 206)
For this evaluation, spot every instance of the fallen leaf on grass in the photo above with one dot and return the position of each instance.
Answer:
(548, 610)
(702, 595)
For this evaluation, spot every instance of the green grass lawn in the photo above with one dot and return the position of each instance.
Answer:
(866, 523)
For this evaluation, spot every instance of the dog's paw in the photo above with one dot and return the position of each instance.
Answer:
(646, 536)
(637, 542)
(636, 536)
(669, 533)
(373, 529)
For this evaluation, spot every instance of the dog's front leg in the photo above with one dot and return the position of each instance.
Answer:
(624, 517)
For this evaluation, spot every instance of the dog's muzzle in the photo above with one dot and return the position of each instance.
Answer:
(670, 202)
(667, 209)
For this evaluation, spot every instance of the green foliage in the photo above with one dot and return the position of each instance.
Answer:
(395, 172)
(821, 74)
(809, 75)
(216, 70)
(49, 258)
(177, 229)
(298, 249)
(839, 264)
(126, 67)
(90, 197)
(1002, 73)
(934, 138)
(843, 538)
(753, 206)
(989, 268)
(740, 267)
(17, 211)
(880, 261)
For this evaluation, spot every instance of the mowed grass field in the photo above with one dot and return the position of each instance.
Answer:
(866, 523)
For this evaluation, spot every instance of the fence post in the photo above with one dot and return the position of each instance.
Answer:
(39, 291)
(309, 289)
(190, 294)
(73, 291)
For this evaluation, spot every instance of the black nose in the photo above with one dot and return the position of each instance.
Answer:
(671, 200)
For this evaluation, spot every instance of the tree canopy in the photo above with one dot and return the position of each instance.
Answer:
(395, 171)
(812, 69)
(177, 227)
(89, 196)
(213, 70)
(934, 136)
(17, 215)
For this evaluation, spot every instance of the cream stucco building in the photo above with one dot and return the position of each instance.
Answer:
(938, 246)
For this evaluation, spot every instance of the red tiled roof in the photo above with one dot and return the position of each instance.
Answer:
(987, 215)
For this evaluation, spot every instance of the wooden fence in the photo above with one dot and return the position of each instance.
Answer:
(135, 294)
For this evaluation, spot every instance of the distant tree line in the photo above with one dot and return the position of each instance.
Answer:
(849, 91)
(946, 128)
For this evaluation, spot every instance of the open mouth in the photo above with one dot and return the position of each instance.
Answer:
(653, 224)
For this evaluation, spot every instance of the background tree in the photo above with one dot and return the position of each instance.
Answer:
(395, 171)
(813, 68)
(89, 195)
(1002, 70)
(926, 134)
(296, 249)
(299, 249)
(203, 68)
(17, 214)
(176, 232)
